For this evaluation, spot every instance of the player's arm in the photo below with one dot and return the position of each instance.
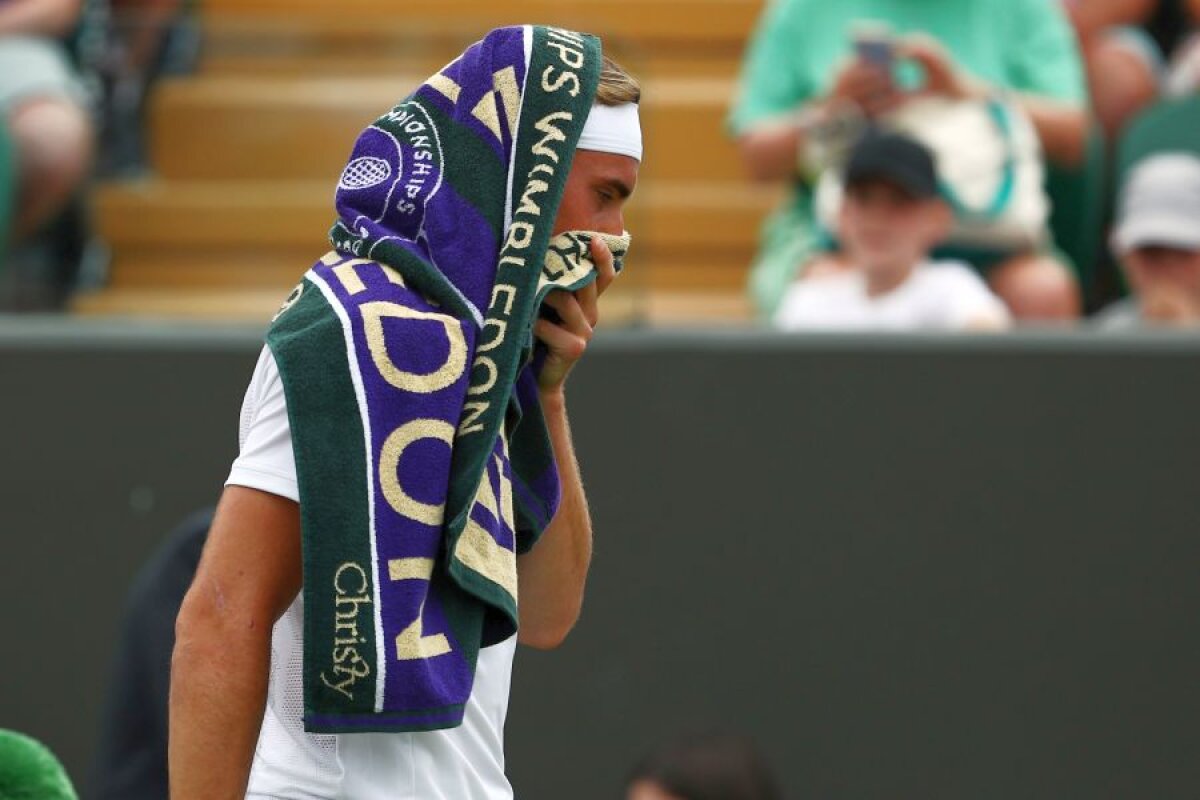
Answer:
(248, 576)
(551, 577)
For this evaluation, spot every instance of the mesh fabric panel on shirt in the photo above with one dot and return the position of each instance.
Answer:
(250, 406)
(287, 687)
(290, 763)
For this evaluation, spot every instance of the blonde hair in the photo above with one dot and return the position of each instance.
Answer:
(617, 87)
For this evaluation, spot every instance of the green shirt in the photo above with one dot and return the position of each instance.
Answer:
(1025, 45)
(1022, 45)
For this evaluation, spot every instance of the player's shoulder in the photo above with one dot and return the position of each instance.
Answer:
(266, 370)
(265, 389)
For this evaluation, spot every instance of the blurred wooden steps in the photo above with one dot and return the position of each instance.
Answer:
(665, 215)
(289, 60)
(247, 151)
(256, 306)
(216, 305)
(214, 233)
(649, 22)
(301, 127)
(319, 44)
(685, 38)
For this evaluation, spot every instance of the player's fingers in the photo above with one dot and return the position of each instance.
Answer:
(606, 270)
(570, 312)
(559, 340)
(588, 299)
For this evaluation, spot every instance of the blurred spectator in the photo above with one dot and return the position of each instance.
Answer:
(144, 27)
(709, 767)
(1124, 62)
(1169, 21)
(43, 106)
(7, 189)
(131, 760)
(891, 218)
(136, 43)
(28, 771)
(800, 72)
(1183, 72)
(1157, 240)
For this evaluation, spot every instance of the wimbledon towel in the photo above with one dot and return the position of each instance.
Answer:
(423, 460)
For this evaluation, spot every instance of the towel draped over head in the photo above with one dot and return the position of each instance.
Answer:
(423, 459)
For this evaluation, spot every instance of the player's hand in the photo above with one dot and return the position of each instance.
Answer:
(866, 85)
(579, 313)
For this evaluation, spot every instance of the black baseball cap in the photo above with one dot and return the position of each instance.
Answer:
(895, 158)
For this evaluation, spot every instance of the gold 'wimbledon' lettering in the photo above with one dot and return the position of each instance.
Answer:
(389, 462)
(411, 644)
(506, 493)
(476, 548)
(472, 412)
(489, 366)
(347, 274)
(420, 383)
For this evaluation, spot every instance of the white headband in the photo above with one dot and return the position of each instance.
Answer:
(613, 129)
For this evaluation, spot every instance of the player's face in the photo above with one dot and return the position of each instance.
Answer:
(596, 191)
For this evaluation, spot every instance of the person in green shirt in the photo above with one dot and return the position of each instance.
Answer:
(43, 108)
(801, 64)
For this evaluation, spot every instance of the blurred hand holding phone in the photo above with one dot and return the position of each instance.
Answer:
(865, 80)
(862, 88)
(875, 44)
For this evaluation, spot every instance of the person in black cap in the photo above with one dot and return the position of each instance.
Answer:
(892, 215)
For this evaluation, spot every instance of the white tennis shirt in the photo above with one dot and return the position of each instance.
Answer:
(463, 763)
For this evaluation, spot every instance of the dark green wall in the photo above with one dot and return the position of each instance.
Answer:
(912, 567)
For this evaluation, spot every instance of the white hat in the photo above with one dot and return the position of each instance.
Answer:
(1160, 204)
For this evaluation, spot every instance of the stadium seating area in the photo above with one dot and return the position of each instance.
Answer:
(245, 151)
(244, 143)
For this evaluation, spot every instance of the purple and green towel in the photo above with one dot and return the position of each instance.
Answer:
(406, 355)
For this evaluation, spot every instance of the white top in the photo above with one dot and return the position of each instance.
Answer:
(938, 296)
(463, 763)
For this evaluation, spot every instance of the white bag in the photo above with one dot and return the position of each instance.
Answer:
(990, 167)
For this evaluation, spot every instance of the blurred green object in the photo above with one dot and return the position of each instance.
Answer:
(1172, 125)
(8, 186)
(28, 771)
(1078, 202)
